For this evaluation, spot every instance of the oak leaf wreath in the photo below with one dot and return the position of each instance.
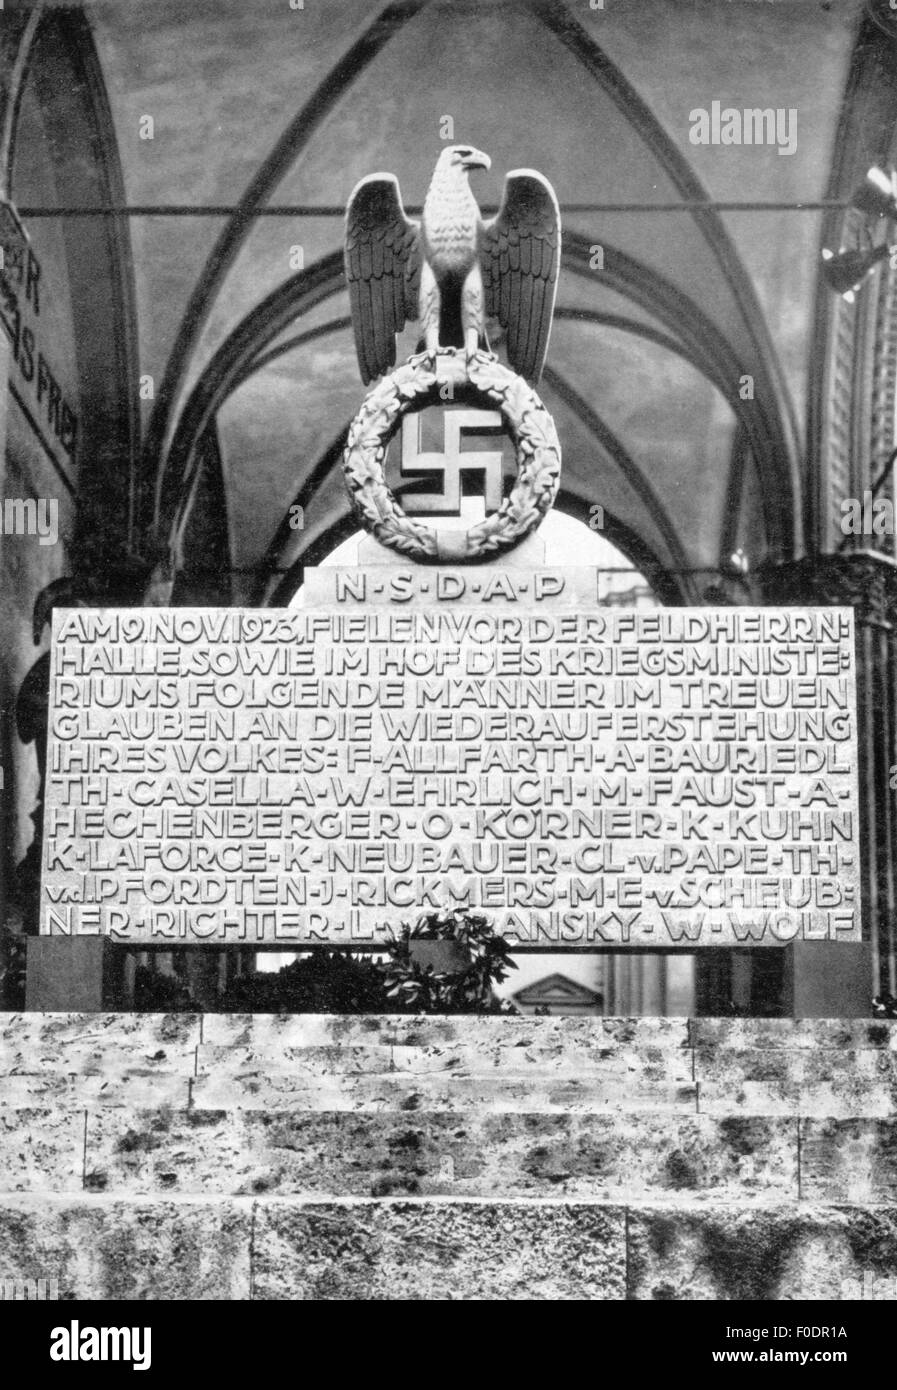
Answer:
(421, 381)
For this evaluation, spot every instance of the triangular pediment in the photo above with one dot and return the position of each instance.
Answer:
(557, 989)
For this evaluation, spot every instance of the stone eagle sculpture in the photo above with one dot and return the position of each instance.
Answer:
(452, 271)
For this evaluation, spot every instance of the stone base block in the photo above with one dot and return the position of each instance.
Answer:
(852, 1160)
(500, 1156)
(828, 979)
(434, 1249)
(758, 1081)
(107, 1248)
(72, 973)
(438, 1249)
(728, 1252)
(42, 1149)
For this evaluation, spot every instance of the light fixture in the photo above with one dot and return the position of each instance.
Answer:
(845, 271)
(876, 194)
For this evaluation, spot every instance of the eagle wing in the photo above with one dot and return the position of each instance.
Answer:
(383, 270)
(520, 252)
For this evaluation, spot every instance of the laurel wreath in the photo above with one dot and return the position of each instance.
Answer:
(421, 381)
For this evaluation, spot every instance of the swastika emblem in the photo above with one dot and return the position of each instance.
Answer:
(451, 462)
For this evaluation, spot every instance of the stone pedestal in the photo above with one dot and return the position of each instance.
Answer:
(825, 979)
(73, 973)
(866, 582)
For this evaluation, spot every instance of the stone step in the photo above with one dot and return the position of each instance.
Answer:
(180, 1032)
(445, 1248)
(852, 1160)
(544, 1064)
(478, 1058)
(261, 1089)
(759, 1083)
(45, 1038)
(790, 1035)
(266, 1087)
(507, 1030)
(311, 1060)
(83, 1059)
(75, 1092)
(799, 1082)
(515, 1153)
(42, 1149)
(725, 1034)
(498, 1155)
(323, 1062)
(49, 1035)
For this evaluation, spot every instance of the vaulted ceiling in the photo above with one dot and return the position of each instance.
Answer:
(265, 116)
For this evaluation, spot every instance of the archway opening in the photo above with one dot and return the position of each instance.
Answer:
(566, 982)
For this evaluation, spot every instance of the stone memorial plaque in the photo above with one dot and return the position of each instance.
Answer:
(587, 777)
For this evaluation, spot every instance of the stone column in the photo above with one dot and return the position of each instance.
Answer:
(652, 971)
(6, 777)
(680, 986)
(867, 583)
(644, 984)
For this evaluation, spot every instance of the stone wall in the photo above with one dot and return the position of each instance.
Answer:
(218, 1157)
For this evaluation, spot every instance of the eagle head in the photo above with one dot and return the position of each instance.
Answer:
(463, 157)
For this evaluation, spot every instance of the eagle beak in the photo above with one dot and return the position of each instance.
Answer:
(478, 160)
